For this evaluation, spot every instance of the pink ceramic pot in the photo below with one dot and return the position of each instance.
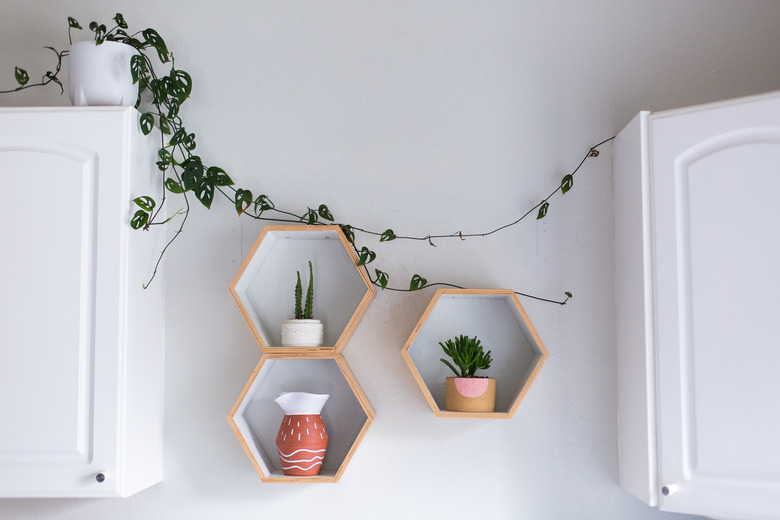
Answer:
(470, 394)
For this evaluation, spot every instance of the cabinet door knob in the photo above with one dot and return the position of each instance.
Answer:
(100, 477)
(671, 489)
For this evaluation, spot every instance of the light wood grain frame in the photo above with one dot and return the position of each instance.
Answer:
(263, 285)
(257, 436)
(499, 320)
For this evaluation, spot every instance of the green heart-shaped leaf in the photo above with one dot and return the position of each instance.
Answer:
(205, 192)
(155, 40)
(173, 186)
(417, 283)
(144, 202)
(263, 203)
(387, 236)
(120, 20)
(179, 84)
(178, 136)
(365, 256)
(139, 220)
(192, 174)
(137, 67)
(542, 210)
(165, 126)
(147, 123)
(21, 76)
(325, 213)
(218, 176)
(243, 199)
(381, 278)
(566, 183)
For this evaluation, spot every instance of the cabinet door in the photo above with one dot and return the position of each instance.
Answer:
(716, 263)
(48, 355)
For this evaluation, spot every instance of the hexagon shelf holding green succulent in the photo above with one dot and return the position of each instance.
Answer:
(500, 322)
(264, 286)
(256, 418)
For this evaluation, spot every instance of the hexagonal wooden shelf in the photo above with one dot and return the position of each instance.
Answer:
(255, 418)
(500, 322)
(264, 286)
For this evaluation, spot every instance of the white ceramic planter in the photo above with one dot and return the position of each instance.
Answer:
(99, 75)
(302, 333)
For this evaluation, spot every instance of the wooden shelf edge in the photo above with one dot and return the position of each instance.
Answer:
(354, 321)
(418, 378)
(512, 298)
(355, 388)
(473, 415)
(245, 446)
(289, 479)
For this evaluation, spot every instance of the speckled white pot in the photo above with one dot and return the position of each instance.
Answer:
(302, 333)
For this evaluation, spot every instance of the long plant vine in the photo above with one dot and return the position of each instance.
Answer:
(160, 98)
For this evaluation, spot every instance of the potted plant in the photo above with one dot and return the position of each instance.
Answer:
(163, 90)
(100, 69)
(303, 330)
(467, 392)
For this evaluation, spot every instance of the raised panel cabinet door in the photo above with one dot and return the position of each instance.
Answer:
(48, 276)
(81, 340)
(716, 257)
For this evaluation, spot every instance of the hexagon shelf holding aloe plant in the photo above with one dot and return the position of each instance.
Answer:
(264, 286)
(256, 418)
(500, 322)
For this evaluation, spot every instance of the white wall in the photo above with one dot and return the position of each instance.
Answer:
(427, 117)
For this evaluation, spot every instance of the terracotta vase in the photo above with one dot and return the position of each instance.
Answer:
(302, 439)
(470, 394)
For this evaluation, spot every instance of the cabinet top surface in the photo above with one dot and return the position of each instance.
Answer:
(715, 104)
(66, 109)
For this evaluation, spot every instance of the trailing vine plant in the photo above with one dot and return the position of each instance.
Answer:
(160, 98)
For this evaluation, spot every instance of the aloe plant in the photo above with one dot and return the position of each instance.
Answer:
(305, 312)
(467, 354)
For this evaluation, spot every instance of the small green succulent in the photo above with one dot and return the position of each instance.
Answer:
(307, 312)
(467, 354)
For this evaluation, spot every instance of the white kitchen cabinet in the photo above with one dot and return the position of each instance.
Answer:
(81, 342)
(697, 238)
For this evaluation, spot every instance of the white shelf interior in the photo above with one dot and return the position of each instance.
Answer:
(498, 324)
(266, 287)
(258, 417)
